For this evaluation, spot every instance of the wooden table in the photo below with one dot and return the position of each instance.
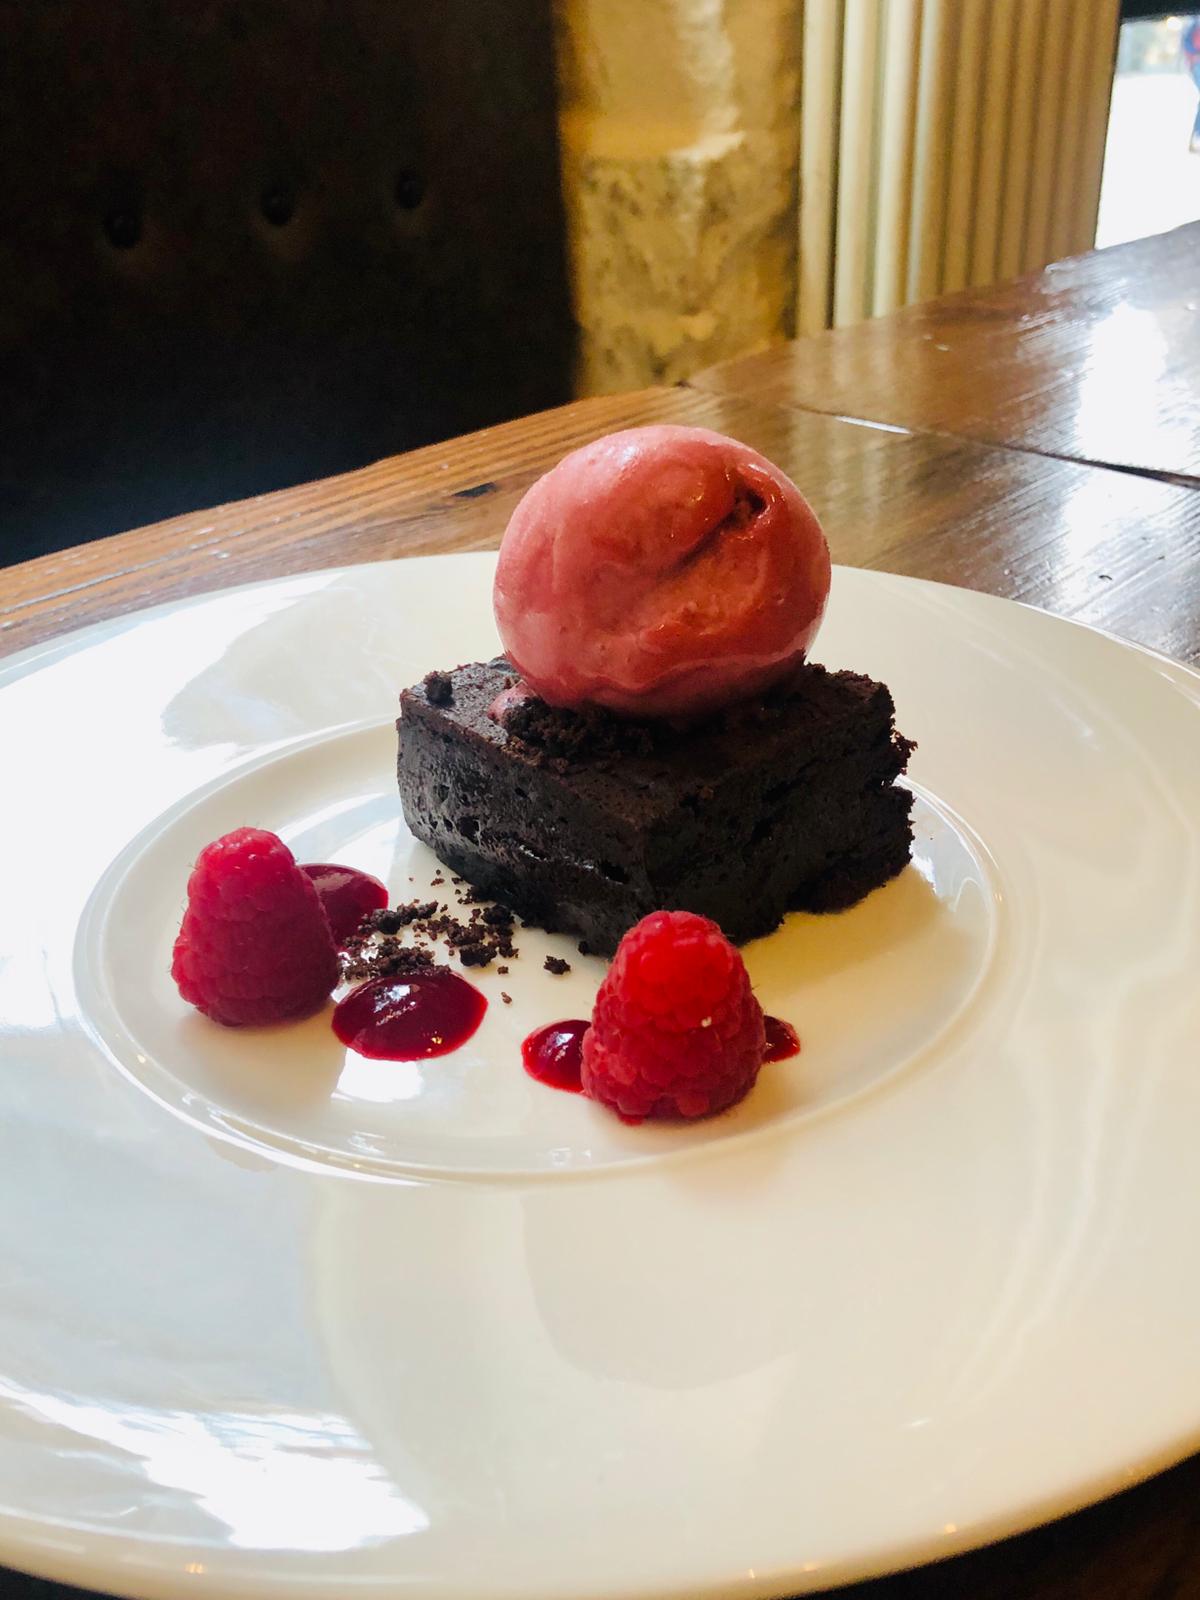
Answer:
(1114, 549)
(1097, 359)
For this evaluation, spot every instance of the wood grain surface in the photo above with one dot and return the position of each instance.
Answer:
(1114, 549)
(1096, 359)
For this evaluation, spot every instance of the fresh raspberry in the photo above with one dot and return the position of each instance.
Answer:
(676, 1031)
(255, 945)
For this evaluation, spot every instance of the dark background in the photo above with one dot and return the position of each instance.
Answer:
(245, 243)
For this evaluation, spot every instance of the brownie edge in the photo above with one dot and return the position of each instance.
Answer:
(585, 822)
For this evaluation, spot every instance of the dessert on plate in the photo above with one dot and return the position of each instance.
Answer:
(654, 736)
(654, 765)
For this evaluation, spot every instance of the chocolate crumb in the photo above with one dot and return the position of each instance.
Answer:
(439, 688)
(436, 883)
(556, 965)
(391, 921)
(503, 971)
(476, 955)
(476, 940)
(385, 959)
(507, 998)
(584, 948)
(497, 915)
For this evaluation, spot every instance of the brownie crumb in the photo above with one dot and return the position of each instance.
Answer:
(584, 948)
(397, 917)
(476, 955)
(556, 965)
(507, 998)
(503, 971)
(436, 883)
(382, 958)
(397, 939)
(439, 688)
(476, 941)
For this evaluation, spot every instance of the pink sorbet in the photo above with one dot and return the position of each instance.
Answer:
(661, 572)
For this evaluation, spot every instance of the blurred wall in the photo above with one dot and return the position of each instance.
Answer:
(680, 142)
(737, 171)
(246, 243)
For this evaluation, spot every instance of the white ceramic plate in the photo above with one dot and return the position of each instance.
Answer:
(275, 1320)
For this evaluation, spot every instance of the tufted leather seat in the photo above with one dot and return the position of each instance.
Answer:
(244, 243)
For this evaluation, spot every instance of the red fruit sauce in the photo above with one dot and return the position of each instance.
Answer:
(346, 895)
(554, 1054)
(782, 1040)
(409, 1017)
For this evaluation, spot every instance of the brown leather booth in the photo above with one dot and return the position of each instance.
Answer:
(244, 243)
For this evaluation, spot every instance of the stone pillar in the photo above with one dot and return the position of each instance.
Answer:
(680, 128)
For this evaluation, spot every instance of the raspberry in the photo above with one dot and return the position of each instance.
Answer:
(676, 1031)
(255, 945)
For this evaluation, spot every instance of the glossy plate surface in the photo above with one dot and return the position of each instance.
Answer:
(278, 1320)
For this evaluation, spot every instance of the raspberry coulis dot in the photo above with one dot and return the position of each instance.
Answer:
(410, 1017)
(782, 1040)
(554, 1054)
(346, 895)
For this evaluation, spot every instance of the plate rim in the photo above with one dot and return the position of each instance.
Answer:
(25, 1543)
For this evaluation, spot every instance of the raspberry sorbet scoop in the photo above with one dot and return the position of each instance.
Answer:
(660, 572)
(676, 1031)
(255, 945)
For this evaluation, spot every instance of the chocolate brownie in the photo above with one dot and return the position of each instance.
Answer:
(585, 822)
